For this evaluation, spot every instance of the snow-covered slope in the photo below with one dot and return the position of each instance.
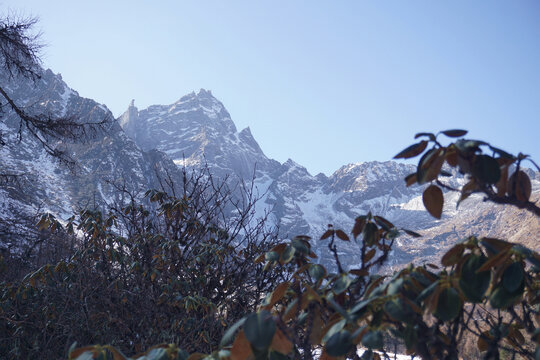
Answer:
(107, 161)
(197, 130)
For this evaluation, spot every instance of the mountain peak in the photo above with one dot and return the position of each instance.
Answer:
(204, 93)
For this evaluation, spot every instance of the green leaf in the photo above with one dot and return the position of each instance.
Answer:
(300, 246)
(513, 277)
(317, 272)
(501, 298)
(394, 287)
(339, 344)
(370, 234)
(360, 306)
(157, 354)
(410, 336)
(229, 334)
(486, 169)
(455, 133)
(341, 284)
(72, 347)
(534, 261)
(87, 355)
(183, 355)
(449, 304)
(336, 328)
(382, 222)
(336, 306)
(272, 256)
(473, 284)
(373, 340)
(287, 254)
(367, 355)
(398, 310)
(469, 146)
(259, 329)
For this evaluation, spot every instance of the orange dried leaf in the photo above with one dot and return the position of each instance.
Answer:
(341, 234)
(279, 292)
(359, 272)
(315, 337)
(241, 348)
(279, 248)
(280, 343)
(496, 260)
(369, 255)
(453, 255)
(327, 234)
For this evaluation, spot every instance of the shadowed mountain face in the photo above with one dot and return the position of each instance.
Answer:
(108, 161)
(198, 130)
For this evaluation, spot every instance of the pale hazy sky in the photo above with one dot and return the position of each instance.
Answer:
(322, 82)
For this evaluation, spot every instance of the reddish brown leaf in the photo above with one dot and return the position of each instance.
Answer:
(327, 234)
(280, 343)
(77, 352)
(519, 185)
(369, 255)
(279, 292)
(452, 157)
(482, 342)
(496, 260)
(453, 255)
(502, 184)
(434, 167)
(412, 151)
(341, 234)
(241, 348)
(410, 179)
(316, 330)
(358, 226)
(359, 272)
(279, 248)
(433, 200)
(454, 133)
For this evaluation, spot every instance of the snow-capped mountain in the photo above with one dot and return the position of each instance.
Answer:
(107, 162)
(197, 130)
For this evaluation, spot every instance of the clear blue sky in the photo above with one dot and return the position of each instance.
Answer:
(322, 82)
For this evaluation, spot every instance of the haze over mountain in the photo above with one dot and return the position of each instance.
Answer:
(142, 146)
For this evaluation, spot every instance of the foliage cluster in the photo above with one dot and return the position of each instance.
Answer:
(484, 288)
(168, 270)
(172, 271)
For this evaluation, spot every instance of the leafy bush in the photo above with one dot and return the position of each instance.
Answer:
(485, 290)
(167, 271)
